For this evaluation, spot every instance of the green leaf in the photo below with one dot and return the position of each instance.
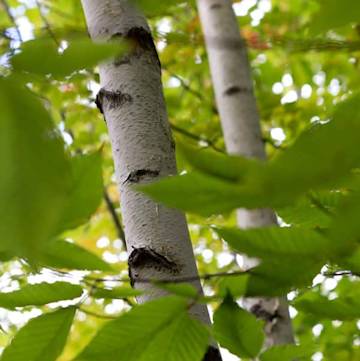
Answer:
(115, 293)
(344, 228)
(226, 167)
(35, 174)
(235, 285)
(42, 338)
(6, 256)
(311, 211)
(267, 243)
(64, 254)
(159, 330)
(342, 308)
(86, 192)
(286, 352)
(279, 276)
(331, 15)
(194, 192)
(307, 165)
(238, 330)
(41, 56)
(40, 294)
(352, 262)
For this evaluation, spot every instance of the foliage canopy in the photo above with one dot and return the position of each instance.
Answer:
(61, 241)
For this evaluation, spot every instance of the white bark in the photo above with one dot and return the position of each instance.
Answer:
(231, 74)
(132, 101)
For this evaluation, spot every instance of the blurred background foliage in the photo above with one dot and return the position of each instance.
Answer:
(305, 59)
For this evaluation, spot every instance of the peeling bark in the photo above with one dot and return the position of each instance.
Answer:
(231, 75)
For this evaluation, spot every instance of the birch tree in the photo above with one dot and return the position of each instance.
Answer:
(132, 102)
(233, 86)
(65, 288)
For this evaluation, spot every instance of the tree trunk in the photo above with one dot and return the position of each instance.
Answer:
(131, 99)
(231, 74)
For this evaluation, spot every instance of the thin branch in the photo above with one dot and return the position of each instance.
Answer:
(47, 24)
(284, 42)
(204, 277)
(196, 137)
(269, 141)
(56, 10)
(12, 19)
(97, 315)
(191, 90)
(341, 273)
(115, 218)
(185, 85)
(301, 45)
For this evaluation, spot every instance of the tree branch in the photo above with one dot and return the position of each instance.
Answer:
(196, 137)
(115, 218)
(189, 89)
(12, 19)
(341, 273)
(97, 315)
(47, 24)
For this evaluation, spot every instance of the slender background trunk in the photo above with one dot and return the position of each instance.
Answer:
(131, 99)
(239, 116)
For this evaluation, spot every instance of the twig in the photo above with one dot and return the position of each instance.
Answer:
(269, 141)
(94, 314)
(189, 89)
(115, 218)
(301, 45)
(88, 280)
(198, 138)
(47, 24)
(341, 273)
(175, 279)
(55, 10)
(204, 277)
(262, 43)
(12, 19)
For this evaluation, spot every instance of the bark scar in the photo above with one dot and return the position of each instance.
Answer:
(236, 89)
(263, 314)
(137, 175)
(148, 257)
(114, 99)
(139, 40)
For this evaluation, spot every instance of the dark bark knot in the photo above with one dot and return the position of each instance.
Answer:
(140, 41)
(226, 43)
(111, 99)
(215, 6)
(263, 314)
(236, 89)
(140, 174)
(147, 257)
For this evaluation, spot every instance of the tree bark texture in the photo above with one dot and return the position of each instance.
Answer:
(233, 86)
(131, 99)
